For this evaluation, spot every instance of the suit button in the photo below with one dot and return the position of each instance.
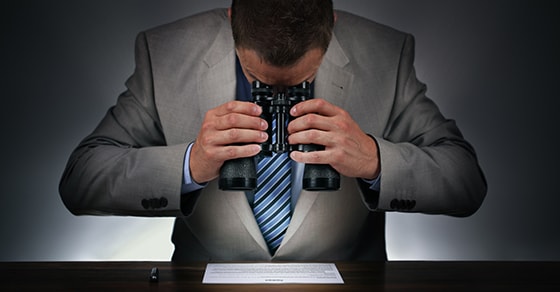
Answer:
(397, 204)
(394, 204)
(145, 204)
(406, 204)
(412, 204)
(163, 202)
(155, 203)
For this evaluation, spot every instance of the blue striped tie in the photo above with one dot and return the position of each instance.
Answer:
(272, 205)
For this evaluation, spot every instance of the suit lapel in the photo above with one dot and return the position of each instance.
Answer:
(333, 81)
(332, 84)
(186, 102)
(238, 201)
(216, 85)
(303, 206)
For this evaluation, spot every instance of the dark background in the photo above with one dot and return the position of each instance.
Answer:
(490, 65)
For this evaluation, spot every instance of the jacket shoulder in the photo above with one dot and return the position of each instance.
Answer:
(198, 23)
(196, 31)
(368, 44)
(359, 36)
(349, 24)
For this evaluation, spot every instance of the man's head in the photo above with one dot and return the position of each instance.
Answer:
(281, 35)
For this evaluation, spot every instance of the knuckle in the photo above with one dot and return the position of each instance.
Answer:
(341, 125)
(312, 135)
(233, 134)
(321, 103)
(230, 153)
(310, 119)
(206, 140)
(231, 119)
(207, 126)
(315, 157)
(343, 112)
(230, 105)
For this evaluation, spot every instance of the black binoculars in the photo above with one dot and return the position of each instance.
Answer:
(276, 102)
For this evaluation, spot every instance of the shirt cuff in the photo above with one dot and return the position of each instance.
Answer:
(189, 185)
(374, 184)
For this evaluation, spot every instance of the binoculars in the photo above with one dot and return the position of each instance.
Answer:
(276, 102)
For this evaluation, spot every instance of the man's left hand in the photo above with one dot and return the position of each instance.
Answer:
(347, 148)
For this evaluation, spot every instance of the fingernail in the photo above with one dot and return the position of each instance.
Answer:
(293, 111)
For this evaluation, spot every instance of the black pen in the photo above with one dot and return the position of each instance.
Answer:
(154, 274)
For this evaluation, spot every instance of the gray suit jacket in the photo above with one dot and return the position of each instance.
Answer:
(132, 164)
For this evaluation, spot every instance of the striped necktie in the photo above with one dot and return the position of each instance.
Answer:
(272, 205)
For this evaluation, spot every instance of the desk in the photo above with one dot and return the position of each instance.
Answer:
(390, 276)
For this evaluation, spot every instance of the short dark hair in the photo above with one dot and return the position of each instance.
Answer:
(282, 31)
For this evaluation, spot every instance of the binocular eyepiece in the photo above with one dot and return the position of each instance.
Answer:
(276, 102)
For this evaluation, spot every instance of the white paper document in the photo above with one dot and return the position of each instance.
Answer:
(272, 273)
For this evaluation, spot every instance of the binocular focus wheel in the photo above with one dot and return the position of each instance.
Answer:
(237, 184)
(321, 184)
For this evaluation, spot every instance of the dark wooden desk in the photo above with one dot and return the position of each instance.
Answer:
(390, 276)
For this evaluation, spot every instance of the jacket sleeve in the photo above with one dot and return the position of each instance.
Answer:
(125, 166)
(426, 164)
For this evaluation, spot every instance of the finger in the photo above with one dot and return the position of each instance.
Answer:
(312, 136)
(235, 136)
(310, 121)
(240, 121)
(319, 106)
(313, 157)
(205, 162)
(234, 152)
(240, 107)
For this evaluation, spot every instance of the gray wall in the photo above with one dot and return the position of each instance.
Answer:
(490, 65)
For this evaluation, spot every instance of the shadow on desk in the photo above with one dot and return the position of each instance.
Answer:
(358, 276)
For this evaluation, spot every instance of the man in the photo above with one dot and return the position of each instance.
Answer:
(159, 150)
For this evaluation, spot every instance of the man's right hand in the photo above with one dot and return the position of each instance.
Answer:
(231, 130)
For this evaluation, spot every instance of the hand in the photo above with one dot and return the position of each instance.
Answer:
(347, 148)
(232, 130)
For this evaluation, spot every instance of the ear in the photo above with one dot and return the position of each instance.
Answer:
(335, 16)
(229, 13)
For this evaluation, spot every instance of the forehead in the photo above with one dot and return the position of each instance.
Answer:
(255, 68)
